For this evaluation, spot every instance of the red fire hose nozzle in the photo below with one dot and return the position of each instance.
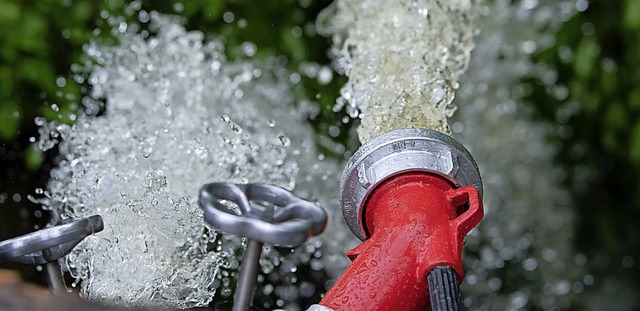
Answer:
(411, 195)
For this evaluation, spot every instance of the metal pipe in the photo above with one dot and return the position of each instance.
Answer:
(55, 279)
(248, 273)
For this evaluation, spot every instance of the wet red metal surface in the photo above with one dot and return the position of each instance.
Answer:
(416, 221)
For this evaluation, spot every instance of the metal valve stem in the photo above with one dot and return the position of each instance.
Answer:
(268, 214)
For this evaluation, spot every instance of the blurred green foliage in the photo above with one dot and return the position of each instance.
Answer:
(594, 107)
(39, 41)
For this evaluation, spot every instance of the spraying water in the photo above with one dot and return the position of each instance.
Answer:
(179, 115)
(403, 60)
(185, 116)
(529, 223)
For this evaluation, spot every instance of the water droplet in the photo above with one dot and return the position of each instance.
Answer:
(61, 82)
(325, 75)
(228, 17)
(122, 27)
(248, 48)
(284, 140)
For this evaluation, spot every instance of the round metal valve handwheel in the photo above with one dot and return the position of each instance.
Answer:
(49, 244)
(268, 213)
(46, 246)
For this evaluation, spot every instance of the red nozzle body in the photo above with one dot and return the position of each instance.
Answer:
(415, 221)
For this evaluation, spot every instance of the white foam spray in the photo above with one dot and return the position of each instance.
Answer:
(179, 115)
(403, 60)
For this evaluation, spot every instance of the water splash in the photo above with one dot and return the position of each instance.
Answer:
(529, 223)
(177, 115)
(403, 60)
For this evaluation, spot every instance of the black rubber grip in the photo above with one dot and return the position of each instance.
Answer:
(444, 289)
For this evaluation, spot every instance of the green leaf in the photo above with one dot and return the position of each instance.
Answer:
(33, 37)
(292, 45)
(616, 117)
(33, 157)
(213, 9)
(631, 17)
(584, 58)
(6, 82)
(191, 7)
(634, 144)
(10, 118)
(9, 12)
(39, 72)
(608, 81)
(634, 99)
(83, 10)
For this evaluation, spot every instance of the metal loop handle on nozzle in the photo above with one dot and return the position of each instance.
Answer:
(266, 214)
(48, 245)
